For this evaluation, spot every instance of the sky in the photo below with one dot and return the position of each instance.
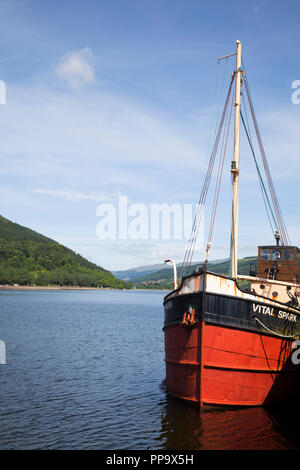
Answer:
(106, 100)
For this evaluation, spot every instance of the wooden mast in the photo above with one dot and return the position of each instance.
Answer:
(235, 162)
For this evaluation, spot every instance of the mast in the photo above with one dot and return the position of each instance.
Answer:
(235, 162)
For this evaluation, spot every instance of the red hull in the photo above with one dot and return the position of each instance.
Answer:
(236, 367)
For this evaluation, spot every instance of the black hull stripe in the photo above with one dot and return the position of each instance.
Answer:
(232, 312)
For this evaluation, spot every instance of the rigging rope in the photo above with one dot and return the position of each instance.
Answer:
(199, 211)
(276, 217)
(279, 218)
(219, 177)
(262, 185)
(276, 206)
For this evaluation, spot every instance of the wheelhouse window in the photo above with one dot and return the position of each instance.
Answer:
(265, 253)
(288, 254)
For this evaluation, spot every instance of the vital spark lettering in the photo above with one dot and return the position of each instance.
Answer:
(270, 311)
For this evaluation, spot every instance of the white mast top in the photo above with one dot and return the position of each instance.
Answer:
(235, 162)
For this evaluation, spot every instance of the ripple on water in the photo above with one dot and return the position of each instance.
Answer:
(85, 370)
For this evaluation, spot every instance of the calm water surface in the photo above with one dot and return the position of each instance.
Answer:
(85, 370)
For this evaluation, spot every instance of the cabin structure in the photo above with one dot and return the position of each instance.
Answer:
(278, 274)
(278, 262)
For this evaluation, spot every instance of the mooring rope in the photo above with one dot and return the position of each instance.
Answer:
(273, 332)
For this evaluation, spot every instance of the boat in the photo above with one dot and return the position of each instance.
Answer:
(230, 339)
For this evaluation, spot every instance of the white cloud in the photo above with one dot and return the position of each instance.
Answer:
(72, 195)
(77, 68)
(104, 145)
(104, 141)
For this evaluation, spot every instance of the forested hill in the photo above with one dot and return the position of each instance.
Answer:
(163, 279)
(28, 258)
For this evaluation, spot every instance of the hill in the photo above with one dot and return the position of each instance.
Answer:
(134, 273)
(164, 278)
(29, 258)
(139, 272)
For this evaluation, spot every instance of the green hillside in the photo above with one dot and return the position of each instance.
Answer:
(28, 258)
(133, 274)
(164, 278)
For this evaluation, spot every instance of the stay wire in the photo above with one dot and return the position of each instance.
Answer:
(199, 211)
(261, 182)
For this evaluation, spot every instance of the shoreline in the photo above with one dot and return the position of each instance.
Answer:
(71, 288)
(56, 288)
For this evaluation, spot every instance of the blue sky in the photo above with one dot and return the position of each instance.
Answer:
(120, 98)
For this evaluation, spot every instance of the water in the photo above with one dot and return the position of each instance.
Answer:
(85, 370)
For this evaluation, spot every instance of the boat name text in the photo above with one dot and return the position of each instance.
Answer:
(270, 311)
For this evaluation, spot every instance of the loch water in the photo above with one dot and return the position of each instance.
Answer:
(85, 370)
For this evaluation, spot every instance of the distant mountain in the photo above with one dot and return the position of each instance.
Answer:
(164, 277)
(140, 272)
(27, 258)
(133, 273)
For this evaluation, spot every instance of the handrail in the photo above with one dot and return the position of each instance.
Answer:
(267, 281)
